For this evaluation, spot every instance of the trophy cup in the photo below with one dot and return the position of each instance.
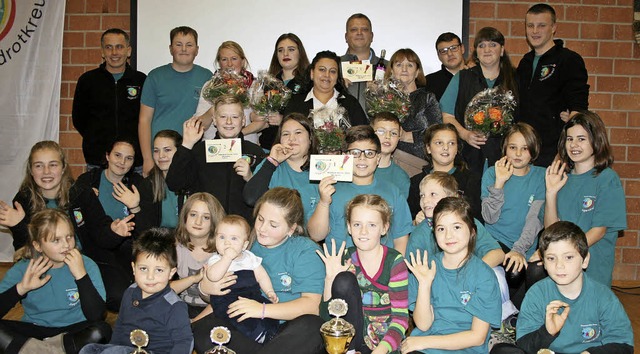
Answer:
(220, 335)
(337, 333)
(140, 339)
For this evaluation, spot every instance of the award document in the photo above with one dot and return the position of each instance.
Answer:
(357, 71)
(338, 166)
(223, 150)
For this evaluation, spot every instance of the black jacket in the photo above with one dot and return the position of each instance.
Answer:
(354, 111)
(190, 171)
(438, 81)
(104, 109)
(559, 83)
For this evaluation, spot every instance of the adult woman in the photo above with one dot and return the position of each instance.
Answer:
(494, 69)
(297, 275)
(160, 206)
(325, 87)
(230, 56)
(288, 164)
(424, 110)
(288, 63)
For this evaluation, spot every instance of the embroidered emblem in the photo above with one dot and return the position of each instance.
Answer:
(132, 92)
(588, 203)
(465, 297)
(73, 296)
(285, 280)
(547, 71)
(77, 215)
(531, 197)
(590, 332)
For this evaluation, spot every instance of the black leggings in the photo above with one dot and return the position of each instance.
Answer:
(14, 334)
(300, 335)
(345, 286)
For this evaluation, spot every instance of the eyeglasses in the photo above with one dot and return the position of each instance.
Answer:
(367, 153)
(384, 132)
(453, 48)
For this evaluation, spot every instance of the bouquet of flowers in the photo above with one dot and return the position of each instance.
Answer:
(490, 111)
(268, 94)
(387, 96)
(225, 82)
(329, 125)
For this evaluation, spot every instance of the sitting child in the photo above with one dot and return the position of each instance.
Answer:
(569, 311)
(232, 240)
(150, 304)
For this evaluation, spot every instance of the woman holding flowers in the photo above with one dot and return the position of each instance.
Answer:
(325, 88)
(493, 70)
(424, 110)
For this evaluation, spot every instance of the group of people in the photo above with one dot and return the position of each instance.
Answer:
(256, 247)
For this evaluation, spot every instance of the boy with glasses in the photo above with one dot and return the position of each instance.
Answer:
(451, 54)
(328, 221)
(387, 127)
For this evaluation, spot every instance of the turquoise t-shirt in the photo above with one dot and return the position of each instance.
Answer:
(457, 296)
(400, 215)
(293, 266)
(173, 95)
(56, 303)
(450, 96)
(519, 194)
(169, 209)
(285, 176)
(596, 317)
(422, 238)
(590, 201)
(394, 174)
(112, 207)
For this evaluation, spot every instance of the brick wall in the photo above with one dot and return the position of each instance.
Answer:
(600, 30)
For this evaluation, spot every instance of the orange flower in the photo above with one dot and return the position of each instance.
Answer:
(495, 114)
(478, 118)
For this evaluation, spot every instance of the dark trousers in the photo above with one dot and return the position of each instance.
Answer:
(345, 286)
(14, 334)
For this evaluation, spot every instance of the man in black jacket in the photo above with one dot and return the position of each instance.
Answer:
(106, 103)
(551, 80)
(450, 52)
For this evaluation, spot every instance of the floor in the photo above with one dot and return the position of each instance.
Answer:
(629, 296)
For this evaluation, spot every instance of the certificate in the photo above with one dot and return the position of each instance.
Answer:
(357, 71)
(338, 166)
(223, 150)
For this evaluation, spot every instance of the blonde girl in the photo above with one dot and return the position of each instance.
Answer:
(61, 292)
(455, 299)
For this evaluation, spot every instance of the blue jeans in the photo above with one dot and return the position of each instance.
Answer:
(107, 349)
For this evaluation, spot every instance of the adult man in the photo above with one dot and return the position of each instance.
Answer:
(551, 80)
(171, 93)
(451, 54)
(106, 103)
(359, 36)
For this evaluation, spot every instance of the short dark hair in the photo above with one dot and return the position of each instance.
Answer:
(385, 117)
(158, 242)
(115, 31)
(543, 8)
(361, 16)
(362, 133)
(462, 208)
(447, 37)
(183, 30)
(564, 231)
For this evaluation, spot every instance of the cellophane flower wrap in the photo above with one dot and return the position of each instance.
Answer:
(225, 82)
(268, 94)
(387, 96)
(330, 125)
(490, 112)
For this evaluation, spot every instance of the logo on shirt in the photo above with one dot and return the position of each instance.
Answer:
(590, 332)
(73, 296)
(531, 198)
(547, 71)
(132, 92)
(77, 215)
(588, 203)
(285, 280)
(465, 296)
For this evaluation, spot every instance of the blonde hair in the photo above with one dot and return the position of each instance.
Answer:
(217, 213)
(228, 99)
(238, 221)
(235, 47)
(373, 202)
(30, 186)
(444, 180)
(43, 227)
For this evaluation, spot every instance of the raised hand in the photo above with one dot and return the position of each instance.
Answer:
(9, 216)
(192, 132)
(555, 177)
(419, 266)
(126, 196)
(504, 171)
(553, 319)
(32, 278)
(73, 259)
(333, 260)
(280, 152)
(124, 226)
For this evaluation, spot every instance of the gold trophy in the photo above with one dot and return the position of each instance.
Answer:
(220, 335)
(337, 333)
(140, 339)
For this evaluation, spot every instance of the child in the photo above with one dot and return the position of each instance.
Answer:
(373, 279)
(387, 127)
(328, 221)
(232, 238)
(442, 145)
(591, 195)
(570, 312)
(512, 197)
(61, 292)
(297, 276)
(224, 180)
(455, 297)
(48, 184)
(150, 304)
(195, 244)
